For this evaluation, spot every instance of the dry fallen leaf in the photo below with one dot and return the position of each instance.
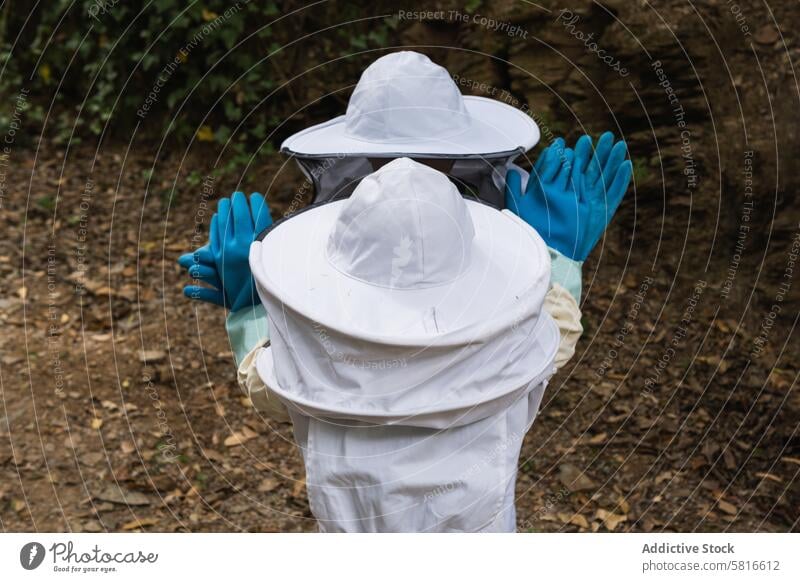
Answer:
(93, 458)
(598, 439)
(114, 494)
(661, 477)
(213, 455)
(235, 440)
(767, 34)
(610, 520)
(97, 423)
(298, 488)
(580, 521)
(728, 508)
(769, 476)
(152, 356)
(698, 462)
(573, 478)
(242, 436)
(268, 485)
(248, 432)
(139, 523)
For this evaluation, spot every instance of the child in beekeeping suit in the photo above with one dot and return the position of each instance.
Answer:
(409, 343)
(570, 199)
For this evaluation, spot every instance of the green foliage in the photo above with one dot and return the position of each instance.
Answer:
(46, 203)
(641, 173)
(472, 5)
(170, 70)
(127, 66)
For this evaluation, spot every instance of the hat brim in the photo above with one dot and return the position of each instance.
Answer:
(510, 267)
(496, 128)
(441, 413)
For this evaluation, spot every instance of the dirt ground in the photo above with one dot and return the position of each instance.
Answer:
(679, 412)
(120, 401)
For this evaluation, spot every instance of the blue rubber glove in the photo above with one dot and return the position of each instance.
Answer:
(223, 262)
(201, 267)
(572, 195)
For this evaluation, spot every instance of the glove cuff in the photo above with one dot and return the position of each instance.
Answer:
(566, 272)
(246, 329)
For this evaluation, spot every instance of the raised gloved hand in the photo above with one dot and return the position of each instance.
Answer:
(572, 195)
(223, 263)
(201, 267)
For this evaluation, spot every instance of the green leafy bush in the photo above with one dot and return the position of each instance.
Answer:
(213, 71)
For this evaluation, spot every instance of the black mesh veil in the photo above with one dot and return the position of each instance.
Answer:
(478, 176)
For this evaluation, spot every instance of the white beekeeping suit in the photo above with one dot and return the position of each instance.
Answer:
(410, 344)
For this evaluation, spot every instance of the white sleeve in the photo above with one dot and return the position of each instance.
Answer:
(563, 308)
(263, 399)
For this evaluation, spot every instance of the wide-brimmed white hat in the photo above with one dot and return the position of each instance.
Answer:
(405, 104)
(406, 256)
(408, 284)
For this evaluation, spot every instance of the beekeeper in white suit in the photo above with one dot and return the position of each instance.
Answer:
(409, 343)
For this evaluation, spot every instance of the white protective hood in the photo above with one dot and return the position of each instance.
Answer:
(409, 343)
(404, 303)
